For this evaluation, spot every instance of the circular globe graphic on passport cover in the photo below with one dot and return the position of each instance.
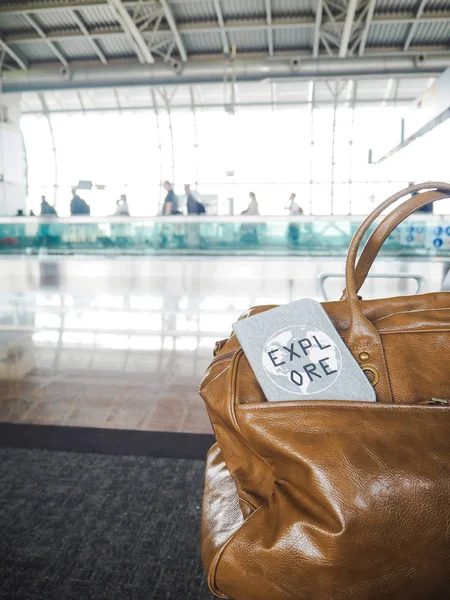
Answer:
(301, 361)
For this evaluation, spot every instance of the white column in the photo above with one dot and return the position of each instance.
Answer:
(12, 157)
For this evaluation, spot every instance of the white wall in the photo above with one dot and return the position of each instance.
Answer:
(12, 157)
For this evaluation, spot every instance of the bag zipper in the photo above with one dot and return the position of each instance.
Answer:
(430, 402)
(224, 356)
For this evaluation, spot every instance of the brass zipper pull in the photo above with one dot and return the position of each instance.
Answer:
(438, 402)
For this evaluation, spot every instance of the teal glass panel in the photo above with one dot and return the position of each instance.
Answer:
(272, 236)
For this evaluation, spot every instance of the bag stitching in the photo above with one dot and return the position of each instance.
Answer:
(249, 503)
(407, 312)
(233, 374)
(414, 331)
(326, 404)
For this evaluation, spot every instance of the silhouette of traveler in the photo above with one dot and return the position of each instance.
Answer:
(293, 207)
(46, 208)
(170, 201)
(43, 234)
(171, 208)
(249, 231)
(194, 207)
(293, 232)
(78, 206)
(123, 209)
(253, 206)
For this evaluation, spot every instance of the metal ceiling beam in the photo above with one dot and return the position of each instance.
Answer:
(396, 88)
(347, 30)
(80, 100)
(117, 99)
(94, 45)
(211, 70)
(317, 24)
(36, 6)
(269, 26)
(132, 31)
(192, 96)
(46, 112)
(367, 24)
(194, 28)
(430, 52)
(223, 35)
(22, 64)
(415, 136)
(211, 105)
(173, 27)
(373, 52)
(350, 92)
(189, 28)
(387, 93)
(273, 94)
(413, 27)
(32, 21)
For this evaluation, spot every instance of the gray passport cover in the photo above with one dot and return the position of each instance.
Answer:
(297, 354)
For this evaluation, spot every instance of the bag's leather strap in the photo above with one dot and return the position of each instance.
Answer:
(384, 230)
(362, 337)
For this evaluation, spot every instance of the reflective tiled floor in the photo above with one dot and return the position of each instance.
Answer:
(124, 343)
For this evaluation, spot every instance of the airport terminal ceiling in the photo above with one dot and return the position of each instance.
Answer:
(122, 54)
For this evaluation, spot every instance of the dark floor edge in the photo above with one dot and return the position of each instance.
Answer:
(125, 442)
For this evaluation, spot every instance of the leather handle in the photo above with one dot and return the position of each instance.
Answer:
(362, 337)
(387, 226)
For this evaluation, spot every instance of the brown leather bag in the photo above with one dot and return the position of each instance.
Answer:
(333, 500)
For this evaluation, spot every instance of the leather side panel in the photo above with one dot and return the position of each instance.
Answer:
(221, 513)
(359, 508)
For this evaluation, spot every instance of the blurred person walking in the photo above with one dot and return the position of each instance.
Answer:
(293, 231)
(47, 209)
(253, 206)
(170, 208)
(79, 232)
(170, 201)
(78, 206)
(122, 207)
(43, 234)
(293, 207)
(249, 232)
(194, 206)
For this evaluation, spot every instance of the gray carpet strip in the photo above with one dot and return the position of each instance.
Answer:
(85, 526)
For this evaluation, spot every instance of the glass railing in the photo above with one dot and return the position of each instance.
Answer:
(271, 236)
